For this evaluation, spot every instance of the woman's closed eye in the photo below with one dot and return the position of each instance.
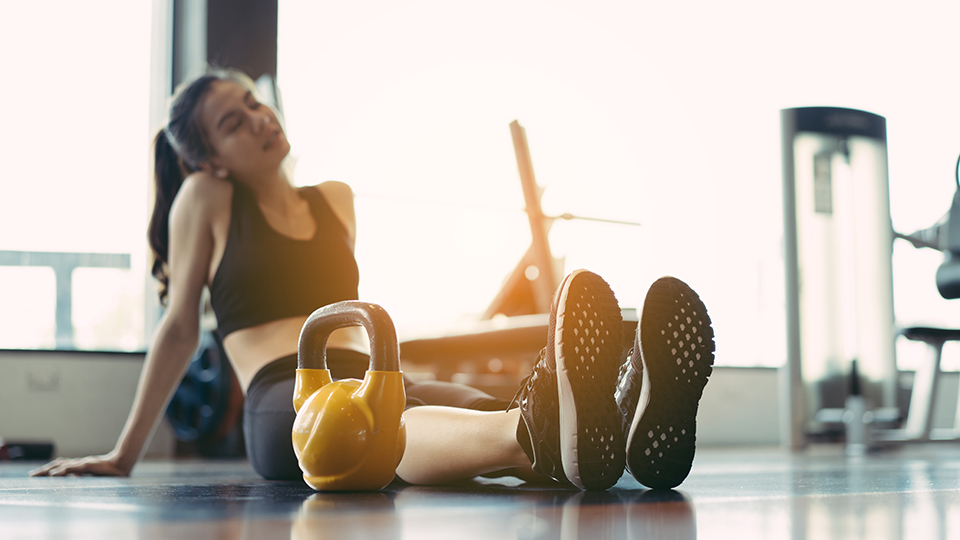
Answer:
(252, 105)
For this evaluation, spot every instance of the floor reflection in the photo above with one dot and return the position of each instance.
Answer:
(498, 513)
(744, 494)
(347, 516)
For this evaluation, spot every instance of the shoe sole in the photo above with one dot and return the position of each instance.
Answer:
(677, 348)
(587, 345)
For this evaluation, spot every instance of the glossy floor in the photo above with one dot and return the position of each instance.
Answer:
(909, 492)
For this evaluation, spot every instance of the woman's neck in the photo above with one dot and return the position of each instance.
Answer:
(276, 194)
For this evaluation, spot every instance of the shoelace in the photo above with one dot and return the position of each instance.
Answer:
(528, 379)
(624, 385)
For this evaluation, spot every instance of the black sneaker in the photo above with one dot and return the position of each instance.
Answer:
(570, 428)
(662, 381)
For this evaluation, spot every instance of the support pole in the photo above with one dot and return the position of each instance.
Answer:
(546, 281)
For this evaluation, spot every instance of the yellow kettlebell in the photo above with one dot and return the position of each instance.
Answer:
(349, 434)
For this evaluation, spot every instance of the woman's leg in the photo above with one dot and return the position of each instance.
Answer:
(567, 417)
(452, 395)
(446, 444)
(268, 417)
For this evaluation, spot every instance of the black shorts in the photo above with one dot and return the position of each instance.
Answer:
(268, 413)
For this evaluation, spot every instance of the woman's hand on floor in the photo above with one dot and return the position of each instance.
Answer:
(106, 465)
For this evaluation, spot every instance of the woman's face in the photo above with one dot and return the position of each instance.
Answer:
(245, 136)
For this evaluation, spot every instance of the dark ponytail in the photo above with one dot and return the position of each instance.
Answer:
(179, 149)
(168, 176)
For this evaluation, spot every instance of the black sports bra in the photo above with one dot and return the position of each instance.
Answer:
(265, 276)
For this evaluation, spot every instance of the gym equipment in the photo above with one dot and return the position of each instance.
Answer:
(513, 328)
(349, 434)
(919, 421)
(948, 274)
(530, 286)
(515, 339)
(943, 236)
(838, 247)
(208, 404)
(12, 450)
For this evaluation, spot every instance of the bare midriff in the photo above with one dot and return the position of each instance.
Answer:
(250, 349)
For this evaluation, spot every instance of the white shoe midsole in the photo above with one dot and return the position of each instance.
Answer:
(568, 418)
(642, 402)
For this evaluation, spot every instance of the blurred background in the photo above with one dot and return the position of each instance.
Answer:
(663, 119)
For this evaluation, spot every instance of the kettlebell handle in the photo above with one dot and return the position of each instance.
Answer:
(384, 348)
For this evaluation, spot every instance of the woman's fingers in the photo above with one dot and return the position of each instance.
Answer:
(45, 470)
(94, 465)
(56, 467)
(76, 466)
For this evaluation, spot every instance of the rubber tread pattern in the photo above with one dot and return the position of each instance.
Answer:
(676, 346)
(590, 342)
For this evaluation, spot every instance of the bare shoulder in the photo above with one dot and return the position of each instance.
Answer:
(336, 192)
(340, 198)
(204, 188)
(204, 192)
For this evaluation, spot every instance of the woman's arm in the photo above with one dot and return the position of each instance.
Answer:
(176, 339)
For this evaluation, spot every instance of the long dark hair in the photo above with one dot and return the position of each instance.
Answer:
(179, 149)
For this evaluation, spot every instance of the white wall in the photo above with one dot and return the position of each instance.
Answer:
(81, 400)
(78, 400)
(740, 407)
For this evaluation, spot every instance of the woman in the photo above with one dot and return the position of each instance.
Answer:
(227, 217)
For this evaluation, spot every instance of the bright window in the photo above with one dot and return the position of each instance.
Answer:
(73, 196)
(661, 113)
